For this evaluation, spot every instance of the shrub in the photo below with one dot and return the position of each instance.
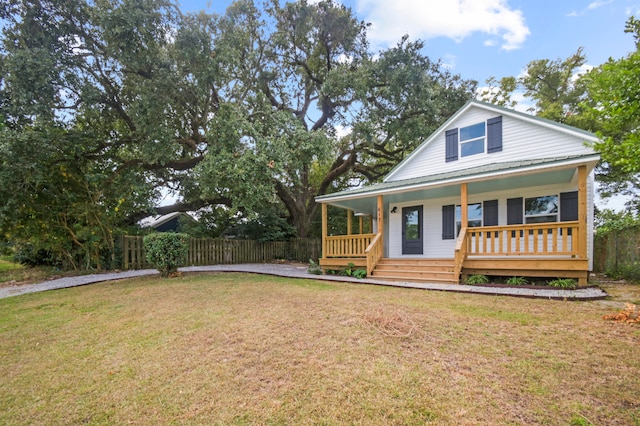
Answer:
(629, 271)
(477, 279)
(314, 268)
(360, 273)
(356, 273)
(568, 283)
(166, 251)
(517, 281)
(29, 255)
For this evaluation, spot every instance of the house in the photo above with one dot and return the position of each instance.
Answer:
(493, 191)
(168, 222)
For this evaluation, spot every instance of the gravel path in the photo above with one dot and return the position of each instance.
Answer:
(300, 271)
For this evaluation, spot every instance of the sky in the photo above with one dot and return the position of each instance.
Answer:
(479, 39)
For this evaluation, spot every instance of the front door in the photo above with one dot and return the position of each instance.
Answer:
(412, 230)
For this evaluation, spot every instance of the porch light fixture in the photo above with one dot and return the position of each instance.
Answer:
(394, 209)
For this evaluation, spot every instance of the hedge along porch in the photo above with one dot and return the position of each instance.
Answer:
(521, 204)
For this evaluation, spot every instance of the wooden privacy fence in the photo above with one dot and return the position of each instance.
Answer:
(617, 250)
(208, 251)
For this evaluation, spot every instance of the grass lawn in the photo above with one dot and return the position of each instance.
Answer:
(239, 349)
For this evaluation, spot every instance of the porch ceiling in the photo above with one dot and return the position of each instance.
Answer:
(368, 204)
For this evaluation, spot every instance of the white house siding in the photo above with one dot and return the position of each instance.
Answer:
(436, 248)
(521, 140)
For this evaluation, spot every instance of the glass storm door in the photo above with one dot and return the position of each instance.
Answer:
(412, 230)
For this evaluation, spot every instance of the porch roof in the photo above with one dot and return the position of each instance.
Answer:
(486, 178)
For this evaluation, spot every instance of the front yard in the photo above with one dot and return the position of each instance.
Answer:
(248, 349)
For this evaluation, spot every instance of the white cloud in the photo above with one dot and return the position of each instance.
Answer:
(456, 19)
(449, 61)
(633, 10)
(585, 68)
(596, 4)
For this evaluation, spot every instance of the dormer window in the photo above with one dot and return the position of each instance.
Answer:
(470, 140)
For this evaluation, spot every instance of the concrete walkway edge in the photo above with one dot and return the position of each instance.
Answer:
(300, 271)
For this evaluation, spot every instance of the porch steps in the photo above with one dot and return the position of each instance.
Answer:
(416, 270)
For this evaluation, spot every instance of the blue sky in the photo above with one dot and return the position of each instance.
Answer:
(483, 38)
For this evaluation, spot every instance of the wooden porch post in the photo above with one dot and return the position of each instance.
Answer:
(324, 230)
(582, 210)
(464, 210)
(464, 221)
(582, 218)
(360, 220)
(380, 217)
(349, 218)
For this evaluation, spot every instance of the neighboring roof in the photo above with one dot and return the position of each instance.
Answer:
(563, 128)
(154, 222)
(474, 173)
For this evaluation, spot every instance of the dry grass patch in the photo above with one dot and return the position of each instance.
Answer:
(236, 349)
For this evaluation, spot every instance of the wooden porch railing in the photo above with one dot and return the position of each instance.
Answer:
(348, 245)
(541, 239)
(460, 253)
(374, 253)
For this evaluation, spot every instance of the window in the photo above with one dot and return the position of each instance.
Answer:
(474, 212)
(412, 224)
(541, 209)
(475, 139)
(472, 139)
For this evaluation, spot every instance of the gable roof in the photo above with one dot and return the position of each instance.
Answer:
(559, 127)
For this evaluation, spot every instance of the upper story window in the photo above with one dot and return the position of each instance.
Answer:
(472, 140)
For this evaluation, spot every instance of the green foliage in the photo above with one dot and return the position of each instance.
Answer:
(28, 255)
(564, 283)
(350, 271)
(608, 221)
(554, 88)
(517, 281)
(314, 268)
(498, 92)
(111, 102)
(551, 85)
(629, 271)
(166, 251)
(578, 420)
(476, 279)
(263, 227)
(614, 89)
(604, 100)
(360, 273)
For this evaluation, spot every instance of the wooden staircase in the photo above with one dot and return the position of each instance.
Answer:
(416, 270)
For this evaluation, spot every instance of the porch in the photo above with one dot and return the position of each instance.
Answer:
(550, 249)
(541, 250)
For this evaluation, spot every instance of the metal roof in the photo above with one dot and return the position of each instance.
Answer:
(466, 175)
